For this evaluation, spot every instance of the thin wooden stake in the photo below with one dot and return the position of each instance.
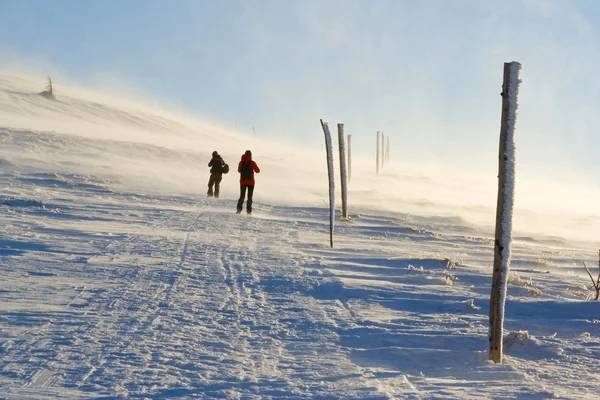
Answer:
(382, 150)
(377, 158)
(343, 180)
(349, 158)
(387, 151)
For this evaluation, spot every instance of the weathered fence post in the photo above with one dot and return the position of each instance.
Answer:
(382, 150)
(377, 158)
(387, 150)
(504, 207)
(349, 158)
(331, 179)
(343, 179)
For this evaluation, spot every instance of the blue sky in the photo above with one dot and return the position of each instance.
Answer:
(427, 73)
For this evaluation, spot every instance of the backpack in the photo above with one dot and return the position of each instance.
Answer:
(225, 168)
(246, 171)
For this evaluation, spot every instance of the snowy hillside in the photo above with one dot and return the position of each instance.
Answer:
(122, 280)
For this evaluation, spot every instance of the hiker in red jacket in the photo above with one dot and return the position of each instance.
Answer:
(246, 168)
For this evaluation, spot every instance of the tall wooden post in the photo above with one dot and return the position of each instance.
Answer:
(382, 150)
(387, 150)
(349, 158)
(343, 175)
(504, 207)
(377, 158)
(329, 149)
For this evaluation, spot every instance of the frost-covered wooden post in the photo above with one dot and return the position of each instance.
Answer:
(329, 151)
(504, 208)
(349, 158)
(377, 158)
(343, 175)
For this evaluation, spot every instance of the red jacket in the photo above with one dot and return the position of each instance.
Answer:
(253, 168)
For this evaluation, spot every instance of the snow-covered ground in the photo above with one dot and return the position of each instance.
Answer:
(121, 279)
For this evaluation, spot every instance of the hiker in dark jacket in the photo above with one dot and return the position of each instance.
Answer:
(246, 168)
(216, 174)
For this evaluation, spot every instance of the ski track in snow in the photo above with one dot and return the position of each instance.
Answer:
(181, 302)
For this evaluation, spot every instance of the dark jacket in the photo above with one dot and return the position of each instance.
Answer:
(217, 164)
(247, 160)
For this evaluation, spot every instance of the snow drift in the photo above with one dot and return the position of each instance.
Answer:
(149, 149)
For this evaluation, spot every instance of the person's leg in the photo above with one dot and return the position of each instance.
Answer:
(211, 182)
(240, 203)
(218, 179)
(249, 204)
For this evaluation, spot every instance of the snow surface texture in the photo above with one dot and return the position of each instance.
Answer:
(115, 286)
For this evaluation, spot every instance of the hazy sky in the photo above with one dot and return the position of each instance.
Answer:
(428, 73)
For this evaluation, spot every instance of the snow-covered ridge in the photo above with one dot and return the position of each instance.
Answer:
(146, 148)
(23, 106)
